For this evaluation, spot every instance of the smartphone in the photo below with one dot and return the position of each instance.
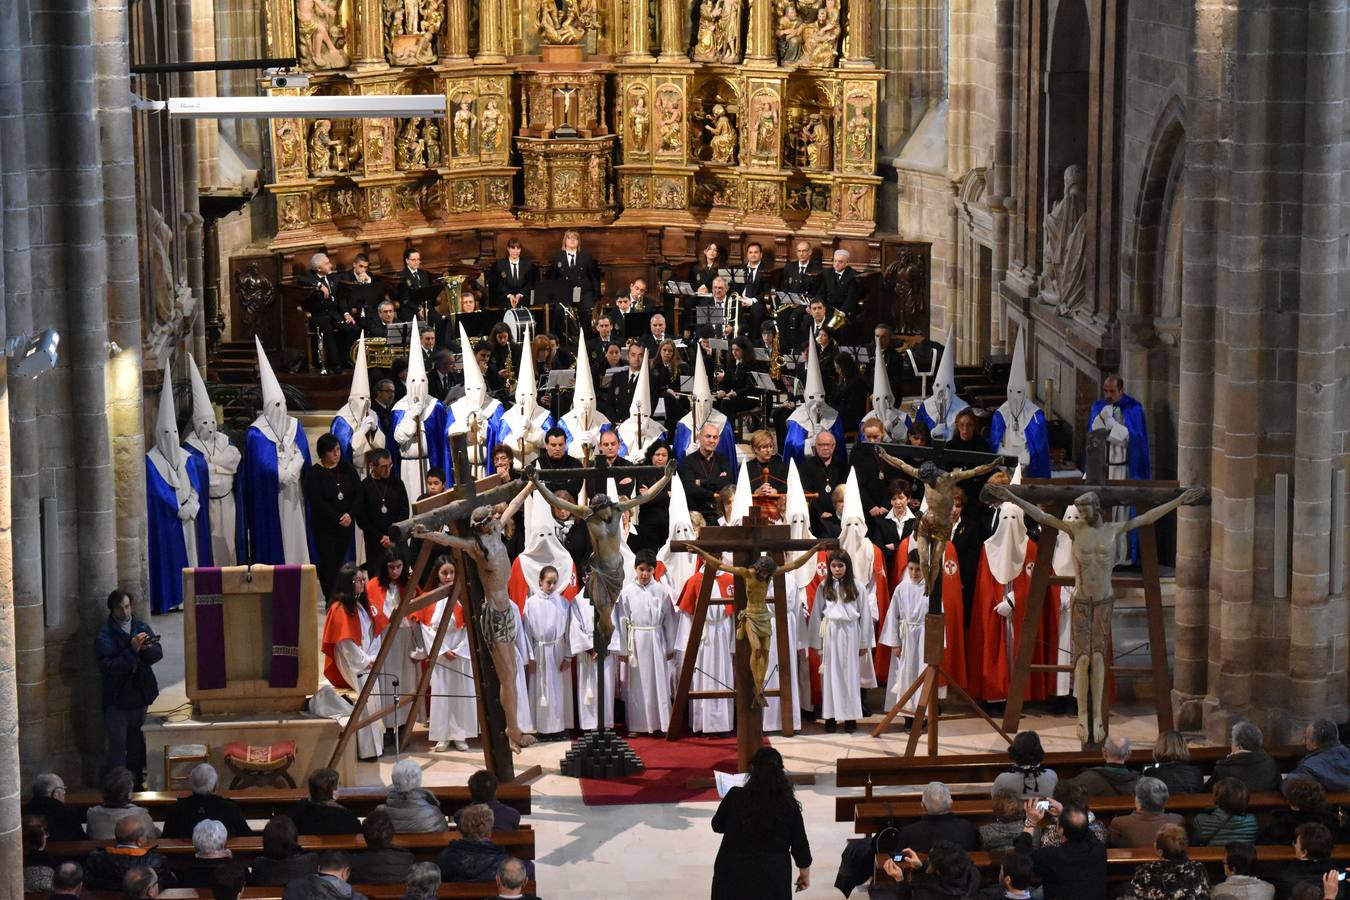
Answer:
(1043, 806)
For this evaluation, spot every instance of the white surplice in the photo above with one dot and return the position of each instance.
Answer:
(714, 668)
(647, 631)
(547, 617)
(773, 719)
(581, 640)
(354, 662)
(839, 629)
(399, 664)
(222, 462)
(903, 631)
(454, 697)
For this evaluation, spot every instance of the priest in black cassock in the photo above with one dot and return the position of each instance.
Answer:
(384, 501)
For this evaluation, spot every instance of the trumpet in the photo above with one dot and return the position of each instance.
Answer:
(837, 320)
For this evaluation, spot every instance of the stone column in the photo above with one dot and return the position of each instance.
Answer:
(455, 37)
(759, 42)
(491, 32)
(638, 42)
(1000, 180)
(670, 20)
(859, 43)
(369, 52)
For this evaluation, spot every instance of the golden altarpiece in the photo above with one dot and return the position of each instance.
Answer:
(723, 114)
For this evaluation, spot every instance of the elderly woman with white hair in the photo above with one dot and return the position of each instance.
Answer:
(209, 838)
(411, 808)
(204, 803)
(938, 823)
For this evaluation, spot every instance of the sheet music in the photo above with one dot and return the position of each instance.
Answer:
(725, 781)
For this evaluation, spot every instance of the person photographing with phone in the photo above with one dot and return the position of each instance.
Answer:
(126, 648)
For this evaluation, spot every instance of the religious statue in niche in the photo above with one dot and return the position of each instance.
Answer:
(903, 278)
(322, 35)
(327, 154)
(789, 35)
(859, 134)
(491, 127)
(566, 21)
(293, 213)
(462, 127)
(377, 137)
(720, 128)
(431, 138)
(1065, 244)
(670, 114)
(718, 38)
(410, 28)
(639, 122)
(815, 143)
(764, 126)
(820, 39)
(255, 295)
(411, 147)
(288, 144)
(808, 32)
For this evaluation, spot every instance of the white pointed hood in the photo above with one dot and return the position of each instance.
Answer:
(273, 400)
(853, 538)
(167, 442)
(702, 393)
(943, 404)
(475, 387)
(679, 566)
(814, 390)
(583, 395)
(883, 399)
(741, 500)
(527, 390)
(1063, 559)
(416, 383)
(1017, 372)
(641, 404)
(358, 398)
(798, 513)
(203, 410)
(1006, 549)
(542, 547)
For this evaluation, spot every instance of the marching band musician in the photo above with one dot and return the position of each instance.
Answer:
(512, 280)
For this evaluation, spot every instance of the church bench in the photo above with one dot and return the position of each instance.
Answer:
(263, 803)
(1120, 864)
(485, 889)
(977, 768)
(426, 847)
(871, 816)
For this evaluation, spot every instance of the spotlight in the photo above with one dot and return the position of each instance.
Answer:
(31, 355)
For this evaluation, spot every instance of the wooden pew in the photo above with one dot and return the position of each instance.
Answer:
(426, 847)
(263, 803)
(871, 816)
(983, 768)
(453, 890)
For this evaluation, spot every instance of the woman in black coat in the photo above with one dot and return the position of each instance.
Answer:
(762, 835)
(653, 527)
(849, 393)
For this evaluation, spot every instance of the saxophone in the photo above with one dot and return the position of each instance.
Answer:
(775, 357)
(511, 371)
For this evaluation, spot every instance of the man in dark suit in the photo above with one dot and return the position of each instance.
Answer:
(575, 270)
(821, 474)
(440, 375)
(656, 334)
(326, 313)
(802, 275)
(411, 281)
(840, 287)
(704, 472)
(361, 292)
(555, 457)
(604, 337)
(514, 276)
(624, 385)
(758, 288)
(624, 320)
(609, 458)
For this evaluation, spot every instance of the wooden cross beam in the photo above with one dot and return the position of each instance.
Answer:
(1064, 491)
(607, 471)
(747, 542)
(458, 503)
(940, 454)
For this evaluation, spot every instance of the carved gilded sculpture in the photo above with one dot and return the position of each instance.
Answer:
(565, 21)
(431, 140)
(721, 135)
(764, 125)
(410, 146)
(322, 149)
(410, 28)
(670, 113)
(490, 128)
(789, 35)
(322, 38)
(639, 121)
(462, 127)
(816, 142)
(288, 143)
(820, 39)
(1065, 242)
(718, 38)
(860, 136)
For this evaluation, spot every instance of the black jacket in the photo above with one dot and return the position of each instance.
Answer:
(501, 283)
(702, 477)
(410, 283)
(585, 275)
(268, 872)
(599, 482)
(1301, 871)
(322, 488)
(63, 823)
(758, 848)
(105, 868)
(620, 396)
(323, 818)
(187, 811)
(821, 480)
(1254, 768)
(920, 836)
(573, 485)
(760, 284)
(1180, 777)
(840, 290)
(793, 280)
(1075, 870)
(1108, 781)
(466, 860)
(128, 679)
(387, 866)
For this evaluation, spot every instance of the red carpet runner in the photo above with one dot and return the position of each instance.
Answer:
(669, 766)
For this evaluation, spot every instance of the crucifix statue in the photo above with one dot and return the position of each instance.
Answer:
(755, 622)
(1094, 539)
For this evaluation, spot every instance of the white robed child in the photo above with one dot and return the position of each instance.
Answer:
(903, 632)
(646, 617)
(453, 715)
(581, 642)
(547, 619)
(796, 619)
(351, 640)
(841, 629)
(714, 668)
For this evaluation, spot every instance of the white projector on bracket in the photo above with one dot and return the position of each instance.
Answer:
(379, 106)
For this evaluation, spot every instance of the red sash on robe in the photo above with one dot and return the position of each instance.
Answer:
(689, 595)
(954, 658)
(988, 659)
(342, 626)
(519, 591)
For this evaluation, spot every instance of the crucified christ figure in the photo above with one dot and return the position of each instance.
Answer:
(1093, 598)
(497, 626)
(754, 623)
(604, 522)
(935, 528)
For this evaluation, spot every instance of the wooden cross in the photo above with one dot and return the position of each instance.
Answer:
(450, 508)
(1055, 495)
(747, 542)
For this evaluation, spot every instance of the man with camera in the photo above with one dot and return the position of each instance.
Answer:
(126, 648)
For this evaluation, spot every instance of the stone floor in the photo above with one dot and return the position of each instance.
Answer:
(582, 849)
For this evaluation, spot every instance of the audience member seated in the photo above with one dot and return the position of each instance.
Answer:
(331, 882)
(1007, 825)
(140, 883)
(283, 859)
(101, 821)
(49, 801)
(1069, 794)
(203, 803)
(68, 881)
(1307, 801)
(208, 854)
(1313, 845)
(947, 873)
(320, 813)
(1173, 767)
(231, 879)
(38, 865)
(1247, 761)
(1174, 875)
(511, 878)
(423, 881)
(938, 823)
(1028, 777)
(1328, 760)
(105, 868)
(474, 857)
(1076, 868)
(1140, 828)
(380, 862)
(1015, 876)
(1227, 820)
(1239, 879)
(1114, 778)
(483, 789)
(410, 807)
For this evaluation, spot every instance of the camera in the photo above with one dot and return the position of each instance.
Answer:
(277, 79)
(1042, 806)
(30, 356)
